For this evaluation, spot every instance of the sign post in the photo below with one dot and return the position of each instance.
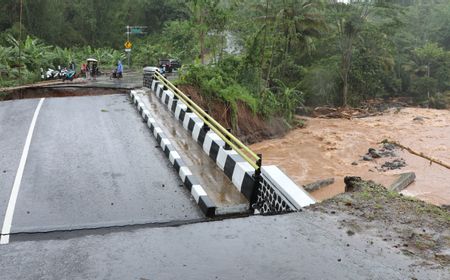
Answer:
(135, 30)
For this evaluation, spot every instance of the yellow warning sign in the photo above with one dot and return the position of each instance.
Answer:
(128, 45)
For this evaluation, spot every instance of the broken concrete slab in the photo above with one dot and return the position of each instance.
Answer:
(403, 181)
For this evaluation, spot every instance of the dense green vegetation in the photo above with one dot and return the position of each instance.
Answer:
(272, 55)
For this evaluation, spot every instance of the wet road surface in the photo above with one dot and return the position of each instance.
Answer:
(92, 163)
(303, 245)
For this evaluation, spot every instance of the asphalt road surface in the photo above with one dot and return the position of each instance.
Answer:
(99, 200)
(301, 245)
(91, 163)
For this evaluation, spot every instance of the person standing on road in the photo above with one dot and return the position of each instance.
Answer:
(94, 71)
(88, 72)
(119, 69)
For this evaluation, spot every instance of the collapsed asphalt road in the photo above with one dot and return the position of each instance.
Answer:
(99, 200)
(301, 245)
(91, 163)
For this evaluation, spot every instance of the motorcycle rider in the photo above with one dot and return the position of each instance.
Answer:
(119, 69)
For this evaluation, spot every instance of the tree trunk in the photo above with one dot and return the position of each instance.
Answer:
(345, 91)
(202, 37)
(345, 68)
(202, 47)
(261, 64)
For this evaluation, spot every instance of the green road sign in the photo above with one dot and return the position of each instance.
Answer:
(136, 30)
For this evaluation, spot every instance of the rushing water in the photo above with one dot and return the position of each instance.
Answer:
(326, 148)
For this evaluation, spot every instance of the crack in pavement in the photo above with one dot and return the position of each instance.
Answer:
(101, 230)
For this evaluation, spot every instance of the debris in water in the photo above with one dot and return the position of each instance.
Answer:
(403, 181)
(395, 164)
(318, 185)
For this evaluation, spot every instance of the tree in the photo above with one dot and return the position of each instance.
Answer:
(201, 12)
(426, 67)
(349, 20)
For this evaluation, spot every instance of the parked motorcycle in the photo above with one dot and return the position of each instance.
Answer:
(68, 74)
(51, 74)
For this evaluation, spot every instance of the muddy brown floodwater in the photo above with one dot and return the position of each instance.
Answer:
(326, 148)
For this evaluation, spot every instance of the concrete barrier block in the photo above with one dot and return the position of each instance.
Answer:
(198, 126)
(145, 114)
(190, 181)
(157, 131)
(180, 108)
(159, 90)
(210, 138)
(166, 97)
(178, 163)
(154, 83)
(173, 155)
(197, 191)
(207, 206)
(164, 143)
(240, 169)
(222, 157)
(186, 120)
(230, 164)
(294, 194)
(184, 171)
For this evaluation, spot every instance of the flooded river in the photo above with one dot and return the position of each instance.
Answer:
(333, 148)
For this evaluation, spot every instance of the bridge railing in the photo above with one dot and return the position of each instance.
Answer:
(245, 152)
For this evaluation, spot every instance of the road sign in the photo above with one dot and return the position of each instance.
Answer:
(127, 50)
(128, 45)
(136, 30)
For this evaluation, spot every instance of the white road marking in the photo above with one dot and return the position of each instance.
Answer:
(6, 229)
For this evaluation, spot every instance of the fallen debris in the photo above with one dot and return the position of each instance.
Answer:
(432, 160)
(403, 181)
(392, 165)
(342, 113)
(318, 185)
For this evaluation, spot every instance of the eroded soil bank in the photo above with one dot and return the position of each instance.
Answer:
(333, 148)
(412, 227)
(251, 127)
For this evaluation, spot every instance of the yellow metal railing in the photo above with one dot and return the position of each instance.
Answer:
(251, 157)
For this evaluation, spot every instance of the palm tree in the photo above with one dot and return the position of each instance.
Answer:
(296, 24)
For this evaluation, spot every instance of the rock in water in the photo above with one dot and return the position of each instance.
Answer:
(367, 158)
(352, 183)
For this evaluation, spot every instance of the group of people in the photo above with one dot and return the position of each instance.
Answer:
(91, 70)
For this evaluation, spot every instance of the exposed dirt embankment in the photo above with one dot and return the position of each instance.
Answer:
(251, 127)
(411, 226)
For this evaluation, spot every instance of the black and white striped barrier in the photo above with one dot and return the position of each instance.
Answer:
(234, 166)
(190, 181)
(274, 192)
